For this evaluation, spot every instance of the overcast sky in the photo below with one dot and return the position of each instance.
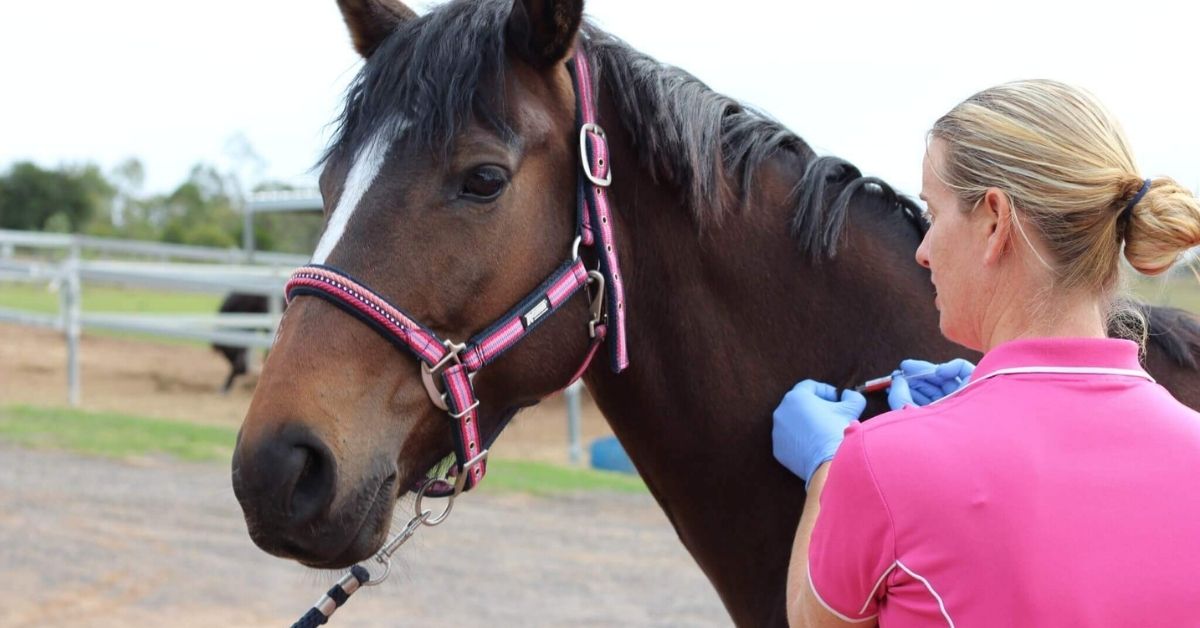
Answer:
(172, 82)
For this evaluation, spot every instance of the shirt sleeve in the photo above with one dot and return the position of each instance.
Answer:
(853, 543)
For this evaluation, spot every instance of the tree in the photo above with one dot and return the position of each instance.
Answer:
(200, 211)
(30, 196)
(128, 178)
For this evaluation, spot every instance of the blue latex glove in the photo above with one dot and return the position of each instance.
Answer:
(809, 423)
(944, 379)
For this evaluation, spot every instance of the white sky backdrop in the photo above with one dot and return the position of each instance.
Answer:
(171, 82)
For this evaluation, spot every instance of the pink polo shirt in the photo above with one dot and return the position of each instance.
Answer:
(1068, 495)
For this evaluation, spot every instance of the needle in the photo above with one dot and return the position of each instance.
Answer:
(882, 383)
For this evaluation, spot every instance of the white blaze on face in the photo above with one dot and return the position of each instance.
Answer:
(367, 164)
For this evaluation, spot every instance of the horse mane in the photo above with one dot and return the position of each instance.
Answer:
(1175, 331)
(711, 146)
(438, 71)
(823, 199)
(705, 143)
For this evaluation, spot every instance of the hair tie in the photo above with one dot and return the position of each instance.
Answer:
(1137, 197)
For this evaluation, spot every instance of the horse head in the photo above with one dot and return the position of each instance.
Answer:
(449, 190)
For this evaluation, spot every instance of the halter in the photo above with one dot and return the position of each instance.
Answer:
(448, 368)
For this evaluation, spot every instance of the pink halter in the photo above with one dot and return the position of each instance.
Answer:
(454, 365)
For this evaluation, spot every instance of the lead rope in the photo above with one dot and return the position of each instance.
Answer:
(324, 608)
(359, 576)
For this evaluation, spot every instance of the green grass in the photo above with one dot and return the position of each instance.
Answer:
(126, 437)
(540, 478)
(113, 435)
(100, 298)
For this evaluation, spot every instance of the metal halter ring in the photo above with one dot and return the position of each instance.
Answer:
(583, 153)
(460, 482)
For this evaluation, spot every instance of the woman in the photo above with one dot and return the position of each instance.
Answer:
(1059, 486)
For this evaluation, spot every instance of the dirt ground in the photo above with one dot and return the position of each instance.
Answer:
(93, 542)
(100, 543)
(181, 382)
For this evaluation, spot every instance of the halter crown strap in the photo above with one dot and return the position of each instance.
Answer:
(597, 176)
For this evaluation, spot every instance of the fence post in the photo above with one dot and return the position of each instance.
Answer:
(248, 232)
(71, 311)
(574, 447)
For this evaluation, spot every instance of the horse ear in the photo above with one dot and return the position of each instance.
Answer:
(371, 21)
(542, 32)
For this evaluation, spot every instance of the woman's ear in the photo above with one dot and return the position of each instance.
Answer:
(995, 219)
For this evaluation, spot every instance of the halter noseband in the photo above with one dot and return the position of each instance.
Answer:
(455, 364)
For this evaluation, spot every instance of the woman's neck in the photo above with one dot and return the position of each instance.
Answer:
(1038, 316)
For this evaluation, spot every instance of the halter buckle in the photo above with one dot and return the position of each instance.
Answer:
(596, 301)
(427, 372)
(465, 412)
(584, 129)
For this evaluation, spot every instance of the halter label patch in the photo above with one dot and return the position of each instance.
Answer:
(538, 311)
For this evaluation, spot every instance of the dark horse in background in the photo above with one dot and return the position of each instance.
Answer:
(749, 263)
(238, 303)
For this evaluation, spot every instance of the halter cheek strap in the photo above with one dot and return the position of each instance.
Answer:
(594, 208)
(448, 368)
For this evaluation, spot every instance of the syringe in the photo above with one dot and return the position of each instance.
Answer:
(883, 383)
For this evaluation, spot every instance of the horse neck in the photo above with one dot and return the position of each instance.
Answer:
(722, 321)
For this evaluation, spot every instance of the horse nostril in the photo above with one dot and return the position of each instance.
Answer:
(313, 489)
(284, 482)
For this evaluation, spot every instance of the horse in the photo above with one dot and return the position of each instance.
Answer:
(241, 303)
(734, 261)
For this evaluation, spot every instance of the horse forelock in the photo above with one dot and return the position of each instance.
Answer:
(435, 72)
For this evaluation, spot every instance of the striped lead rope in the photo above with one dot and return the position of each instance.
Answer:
(334, 598)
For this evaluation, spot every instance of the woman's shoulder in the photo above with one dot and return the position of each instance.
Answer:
(949, 427)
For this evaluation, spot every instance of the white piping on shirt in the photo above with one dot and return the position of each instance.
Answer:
(1021, 370)
(941, 604)
(813, 588)
(870, 596)
(875, 589)
(1052, 370)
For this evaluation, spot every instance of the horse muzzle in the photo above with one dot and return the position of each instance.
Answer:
(287, 488)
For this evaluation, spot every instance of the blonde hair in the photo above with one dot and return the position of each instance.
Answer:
(1067, 169)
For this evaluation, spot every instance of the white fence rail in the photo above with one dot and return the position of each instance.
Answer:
(224, 270)
(68, 275)
(11, 240)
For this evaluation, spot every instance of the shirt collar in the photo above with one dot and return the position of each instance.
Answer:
(1058, 352)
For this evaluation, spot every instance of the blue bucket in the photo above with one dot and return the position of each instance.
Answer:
(608, 455)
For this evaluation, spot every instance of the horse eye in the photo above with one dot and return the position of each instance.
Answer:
(484, 184)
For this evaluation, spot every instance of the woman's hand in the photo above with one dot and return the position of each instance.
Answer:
(809, 423)
(920, 383)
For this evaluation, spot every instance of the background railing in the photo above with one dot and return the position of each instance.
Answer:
(66, 263)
